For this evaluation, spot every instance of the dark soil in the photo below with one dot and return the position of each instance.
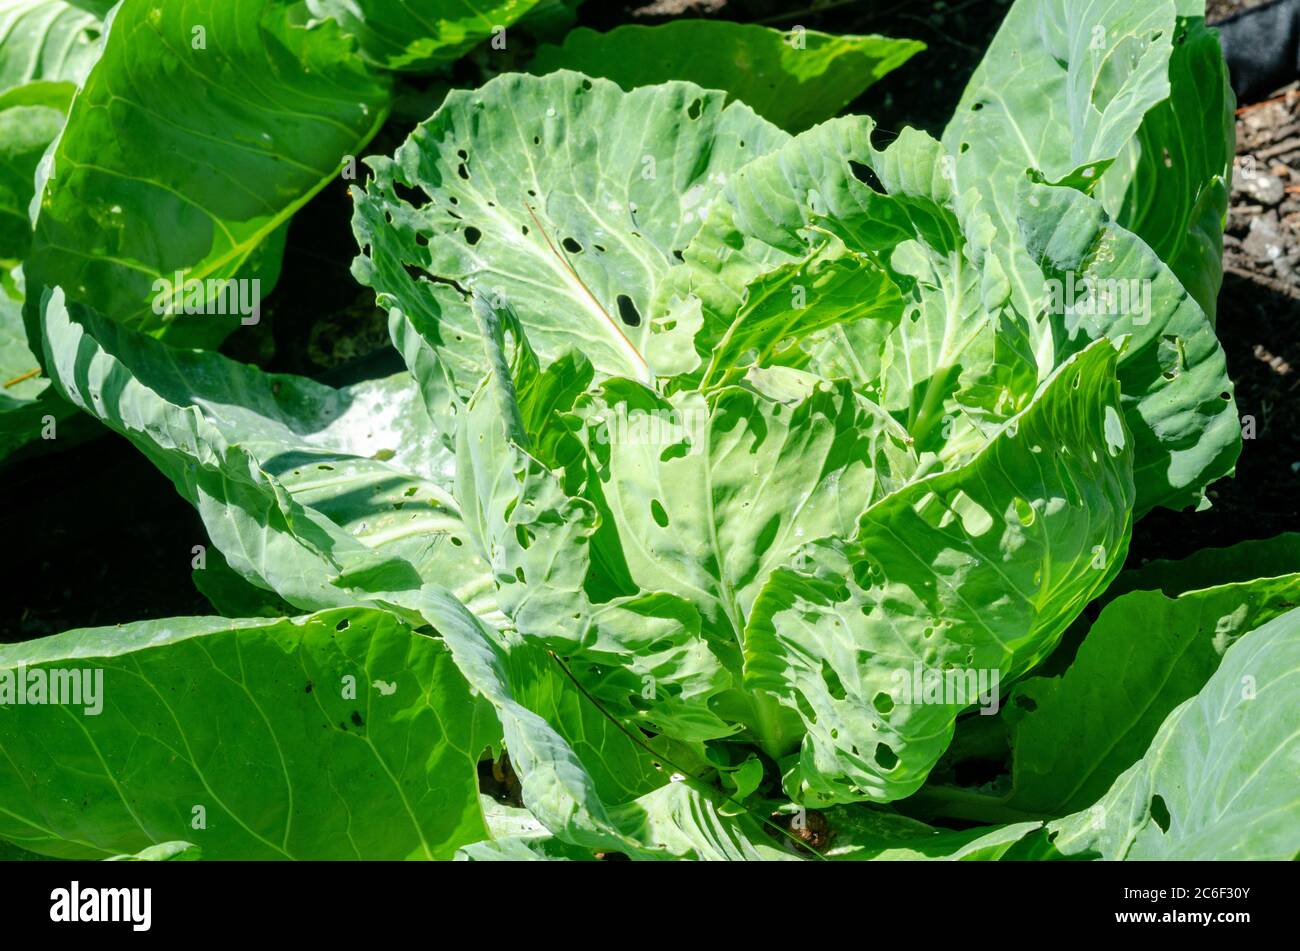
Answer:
(94, 535)
(1218, 9)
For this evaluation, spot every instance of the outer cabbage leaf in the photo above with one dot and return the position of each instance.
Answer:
(178, 851)
(1178, 398)
(98, 7)
(188, 152)
(1170, 185)
(794, 79)
(32, 416)
(1066, 89)
(424, 35)
(862, 833)
(24, 399)
(45, 40)
(1218, 781)
(1212, 567)
(30, 119)
(231, 594)
(250, 727)
(1072, 735)
(326, 497)
(46, 49)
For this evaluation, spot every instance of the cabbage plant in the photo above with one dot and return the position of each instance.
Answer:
(747, 474)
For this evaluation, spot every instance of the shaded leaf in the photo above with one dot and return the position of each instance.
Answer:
(306, 758)
(1218, 781)
(794, 79)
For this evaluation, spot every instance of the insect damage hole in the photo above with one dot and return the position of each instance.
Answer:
(867, 176)
(885, 756)
(404, 192)
(571, 245)
(1160, 812)
(627, 311)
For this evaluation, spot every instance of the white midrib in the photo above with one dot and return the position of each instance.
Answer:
(632, 356)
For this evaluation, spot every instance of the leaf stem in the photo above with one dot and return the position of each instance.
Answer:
(33, 372)
(705, 789)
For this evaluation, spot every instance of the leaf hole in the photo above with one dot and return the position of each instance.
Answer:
(834, 686)
(627, 311)
(404, 192)
(867, 176)
(1160, 812)
(886, 757)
